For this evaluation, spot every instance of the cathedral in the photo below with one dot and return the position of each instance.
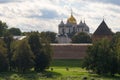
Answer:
(67, 30)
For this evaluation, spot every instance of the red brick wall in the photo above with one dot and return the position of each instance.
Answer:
(99, 37)
(69, 51)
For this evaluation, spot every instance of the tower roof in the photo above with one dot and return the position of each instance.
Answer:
(81, 24)
(72, 19)
(103, 29)
(61, 24)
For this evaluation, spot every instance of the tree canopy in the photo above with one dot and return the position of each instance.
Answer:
(102, 54)
(8, 39)
(23, 57)
(3, 57)
(3, 27)
(15, 31)
(42, 55)
(81, 38)
(50, 36)
(115, 45)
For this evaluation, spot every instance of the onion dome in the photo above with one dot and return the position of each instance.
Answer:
(85, 25)
(61, 24)
(71, 20)
(81, 24)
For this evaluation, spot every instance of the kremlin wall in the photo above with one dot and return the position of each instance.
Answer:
(67, 50)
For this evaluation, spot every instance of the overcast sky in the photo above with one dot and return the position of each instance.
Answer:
(45, 15)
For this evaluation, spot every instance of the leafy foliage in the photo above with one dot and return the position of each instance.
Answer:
(42, 54)
(115, 44)
(3, 57)
(3, 27)
(23, 57)
(46, 56)
(81, 38)
(100, 57)
(8, 39)
(15, 31)
(50, 36)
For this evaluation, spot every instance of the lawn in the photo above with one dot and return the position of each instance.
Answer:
(59, 70)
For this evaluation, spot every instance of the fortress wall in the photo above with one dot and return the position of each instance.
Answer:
(69, 51)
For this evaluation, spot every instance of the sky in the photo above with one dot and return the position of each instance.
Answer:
(45, 15)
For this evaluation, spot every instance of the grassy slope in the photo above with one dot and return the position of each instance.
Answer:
(59, 73)
(76, 71)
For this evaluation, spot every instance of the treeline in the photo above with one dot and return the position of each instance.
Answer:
(50, 36)
(23, 55)
(103, 57)
(5, 31)
(33, 52)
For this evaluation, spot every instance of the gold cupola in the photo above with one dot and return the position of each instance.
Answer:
(72, 19)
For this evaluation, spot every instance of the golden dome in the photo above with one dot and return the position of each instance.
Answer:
(72, 20)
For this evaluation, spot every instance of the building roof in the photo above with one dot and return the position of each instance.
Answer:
(103, 29)
(19, 37)
(81, 24)
(61, 24)
(72, 20)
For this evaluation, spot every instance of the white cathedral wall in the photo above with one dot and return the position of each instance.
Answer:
(82, 30)
(67, 30)
(79, 29)
(71, 29)
(63, 40)
(60, 30)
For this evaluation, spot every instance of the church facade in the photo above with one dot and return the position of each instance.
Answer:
(67, 30)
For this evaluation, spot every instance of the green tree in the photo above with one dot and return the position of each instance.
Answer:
(117, 48)
(23, 57)
(50, 36)
(3, 28)
(115, 45)
(100, 57)
(46, 55)
(81, 38)
(15, 31)
(42, 58)
(36, 47)
(8, 39)
(3, 57)
(34, 41)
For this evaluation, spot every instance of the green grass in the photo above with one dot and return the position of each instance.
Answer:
(66, 63)
(59, 72)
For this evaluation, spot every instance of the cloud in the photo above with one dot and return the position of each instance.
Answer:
(116, 2)
(49, 14)
(9, 1)
(43, 15)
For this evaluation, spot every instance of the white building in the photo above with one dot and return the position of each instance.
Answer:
(70, 28)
